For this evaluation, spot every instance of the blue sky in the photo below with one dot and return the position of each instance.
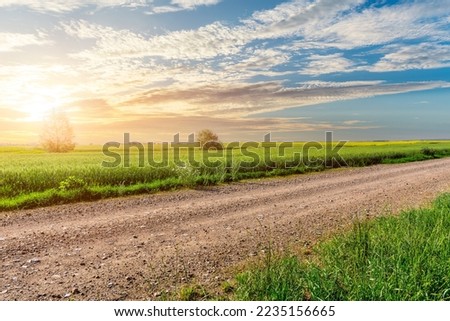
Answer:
(363, 69)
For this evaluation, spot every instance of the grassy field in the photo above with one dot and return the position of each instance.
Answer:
(389, 258)
(29, 177)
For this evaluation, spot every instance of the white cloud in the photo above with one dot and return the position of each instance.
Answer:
(194, 3)
(244, 99)
(215, 39)
(420, 56)
(326, 64)
(374, 26)
(216, 60)
(14, 41)
(60, 6)
(164, 9)
(299, 18)
(342, 84)
(206, 42)
(256, 62)
(307, 25)
(212, 69)
(180, 5)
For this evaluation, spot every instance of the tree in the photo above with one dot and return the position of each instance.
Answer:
(57, 135)
(208, 139)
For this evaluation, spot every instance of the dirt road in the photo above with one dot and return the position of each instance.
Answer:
(139, 247)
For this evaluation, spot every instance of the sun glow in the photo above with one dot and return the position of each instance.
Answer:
(39, 106)
(37, 110)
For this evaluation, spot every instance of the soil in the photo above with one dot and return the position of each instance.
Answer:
(139, 248)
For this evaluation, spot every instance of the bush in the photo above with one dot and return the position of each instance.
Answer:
(428, 151)
(57, 136)
(71, 183)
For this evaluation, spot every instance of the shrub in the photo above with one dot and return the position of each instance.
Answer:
(428, 151)
(71, 183)
(57, 136)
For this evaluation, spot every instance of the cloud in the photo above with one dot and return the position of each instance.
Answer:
(337, 84)
(305, 25)
(420, 56)
(229, 69)
(15, 41)
(299, 18)
(164, 9)
(215, 39)
(354, 122)
(254, 62)
(226, 57)
(180, 5)
(163, 128)
(244, 99)
(92, 110)
(194, 3)
(206, 42)
(7, 114)
(374, 26)
(61, 6)
(326, 64)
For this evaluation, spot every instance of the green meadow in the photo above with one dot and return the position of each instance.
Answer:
(393, 258)
(31, 177)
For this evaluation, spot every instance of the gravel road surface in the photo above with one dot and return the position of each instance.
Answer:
(137, 248)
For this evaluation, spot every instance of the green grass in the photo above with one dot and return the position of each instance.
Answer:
(405, 257)
(29, 177)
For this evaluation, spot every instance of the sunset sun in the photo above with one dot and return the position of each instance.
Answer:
(38, 107)
(37, 111)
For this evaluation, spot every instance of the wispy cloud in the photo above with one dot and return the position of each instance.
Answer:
(194, 3)
(299, 18)
(258, 61)
(245, 99)
(255, 62)
(180, 5)
(206, 42)
(375, 26)
(61, 6)
(419, 56)
(9, 114)
(16, 41)
(326, 64)
(307, 25)
(215, 39)
(154, 128)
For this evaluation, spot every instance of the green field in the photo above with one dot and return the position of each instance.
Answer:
(30, 177)
(395, 258)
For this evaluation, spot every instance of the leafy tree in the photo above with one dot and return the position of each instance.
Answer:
(208, 139)
(57, 135)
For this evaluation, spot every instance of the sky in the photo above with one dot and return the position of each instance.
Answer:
(366, 70)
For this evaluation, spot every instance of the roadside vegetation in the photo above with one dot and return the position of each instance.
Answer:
(405, 257)
(30, 177)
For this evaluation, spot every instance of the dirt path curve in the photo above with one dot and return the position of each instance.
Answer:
(133, 248)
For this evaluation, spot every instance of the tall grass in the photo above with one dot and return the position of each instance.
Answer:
(31, 178)
(390, 258)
